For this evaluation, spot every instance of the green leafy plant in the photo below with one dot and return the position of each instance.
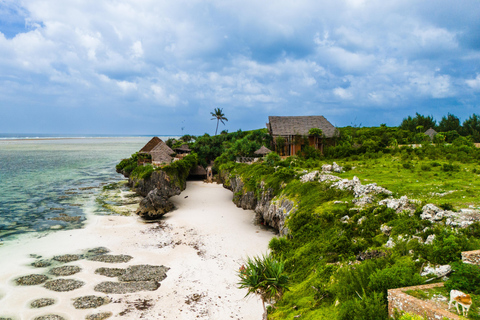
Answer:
(264, 277)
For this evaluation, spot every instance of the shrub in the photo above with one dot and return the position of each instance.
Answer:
(450, 167)
(368, 307)
(426, 167)
(142, 172)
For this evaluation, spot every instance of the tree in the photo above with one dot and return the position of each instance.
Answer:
(218, 114)
(411, 124)
(471, 127)
(449, 123)
(280, 144)
(263, 276)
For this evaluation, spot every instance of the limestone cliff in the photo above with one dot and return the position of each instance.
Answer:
(271, 211)
(156, 189)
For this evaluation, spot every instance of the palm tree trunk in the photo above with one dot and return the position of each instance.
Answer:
(217, 128)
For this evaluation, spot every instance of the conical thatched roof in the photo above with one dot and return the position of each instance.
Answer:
(263, 151)
(161, 153)
(431, 133)
(300, 125)
(150, 145)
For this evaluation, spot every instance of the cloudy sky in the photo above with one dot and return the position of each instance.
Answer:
(160, 66)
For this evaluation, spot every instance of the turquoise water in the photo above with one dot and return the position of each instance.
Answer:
(50, 184)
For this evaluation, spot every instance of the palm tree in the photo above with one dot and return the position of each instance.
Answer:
(263, 276)
(218, 114)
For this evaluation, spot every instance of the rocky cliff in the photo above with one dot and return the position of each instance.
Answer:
(271, 211)
(156, 189)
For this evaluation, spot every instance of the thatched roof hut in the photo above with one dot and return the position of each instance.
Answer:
(162, 153)
(300, 125)
(262, 151)
(431, 133)
(183, 149)
(150, 145)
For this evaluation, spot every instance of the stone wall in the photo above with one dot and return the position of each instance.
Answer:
(472, 257)
(399, 300)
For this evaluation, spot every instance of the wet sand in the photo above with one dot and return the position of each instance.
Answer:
(203, 243)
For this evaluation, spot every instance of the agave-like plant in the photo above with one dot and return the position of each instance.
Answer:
(263, 276)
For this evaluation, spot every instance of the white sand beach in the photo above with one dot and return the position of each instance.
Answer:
(203, 242)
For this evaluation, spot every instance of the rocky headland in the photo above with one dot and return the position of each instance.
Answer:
(156, 190)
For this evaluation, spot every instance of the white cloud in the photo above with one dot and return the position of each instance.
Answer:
(474, 83)
(342, 93)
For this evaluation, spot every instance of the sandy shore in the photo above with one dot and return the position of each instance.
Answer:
(203, 243)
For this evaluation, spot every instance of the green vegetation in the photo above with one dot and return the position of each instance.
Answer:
(178, 171)
(264, 277)
(335, 255)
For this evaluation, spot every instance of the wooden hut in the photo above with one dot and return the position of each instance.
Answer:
(295, 132)
(263, 151)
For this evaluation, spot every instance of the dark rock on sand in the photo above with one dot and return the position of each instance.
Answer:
(144, 273)
(109, 258)
(31, 280)
(88, 302)
(50, 317)
(43, 302)
(41, 263)
(126, 287)
(97, 251)
(110, 272)
(99, 316)
(61, 285)
(68, 257)
(65, 270)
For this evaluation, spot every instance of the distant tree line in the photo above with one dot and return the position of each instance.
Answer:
(420, 123)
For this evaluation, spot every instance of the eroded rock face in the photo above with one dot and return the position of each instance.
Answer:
(156, 190)
(270, 211)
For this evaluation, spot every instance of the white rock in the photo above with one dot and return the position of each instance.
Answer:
(385, 229)
(345, 219)
(439, 271)
(430, 239)
(362, 219)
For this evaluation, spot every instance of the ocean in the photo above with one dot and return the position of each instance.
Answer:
(50, 183)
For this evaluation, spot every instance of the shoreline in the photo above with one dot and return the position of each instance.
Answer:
(203, 242)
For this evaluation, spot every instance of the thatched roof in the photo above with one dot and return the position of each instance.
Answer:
(183, 147)
(431, 133)
(299, 125)
(150, 145)
(161, 153)
(263, 150)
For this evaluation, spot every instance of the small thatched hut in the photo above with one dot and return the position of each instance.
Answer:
(262, 151)
(183, 149)
(159, 151)
(431, 133)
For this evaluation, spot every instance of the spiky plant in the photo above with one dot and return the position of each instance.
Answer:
(263, 276)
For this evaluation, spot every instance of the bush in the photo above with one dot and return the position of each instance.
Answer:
(426, 167)
(142, 172)
(368, 307)
(465, 277)
(450, 167)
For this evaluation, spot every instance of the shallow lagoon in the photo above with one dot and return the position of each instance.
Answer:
(50, 184)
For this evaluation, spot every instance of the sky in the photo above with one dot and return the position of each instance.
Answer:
(160, 67)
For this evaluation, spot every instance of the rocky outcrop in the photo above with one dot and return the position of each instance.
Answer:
(157, 189)
(270, 211)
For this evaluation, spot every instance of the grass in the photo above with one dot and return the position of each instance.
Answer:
(424, 185)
